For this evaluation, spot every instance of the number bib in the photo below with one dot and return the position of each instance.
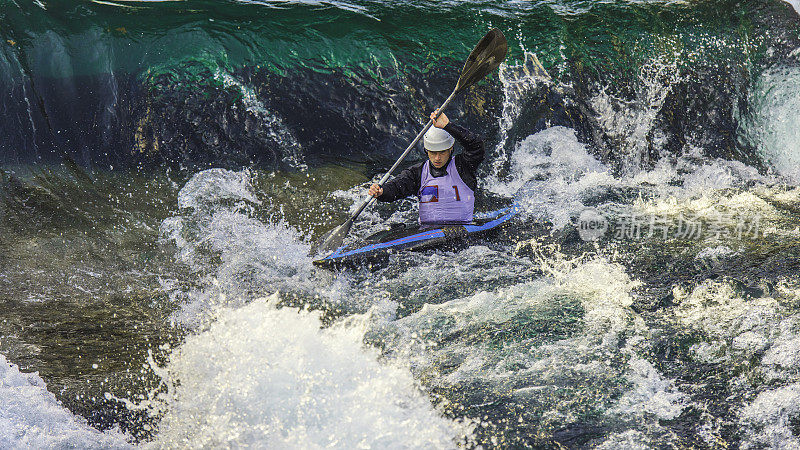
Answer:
(444, 199)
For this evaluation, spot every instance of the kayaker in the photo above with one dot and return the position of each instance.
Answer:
(444, 184)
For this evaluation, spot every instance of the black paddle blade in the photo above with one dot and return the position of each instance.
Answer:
(485, 58)
(332, 239)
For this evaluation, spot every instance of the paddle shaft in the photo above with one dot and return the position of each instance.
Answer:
(403, 156)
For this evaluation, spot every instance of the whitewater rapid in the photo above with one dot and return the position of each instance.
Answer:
(445, 348)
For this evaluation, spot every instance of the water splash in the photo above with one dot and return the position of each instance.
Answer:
(234, 253)
(277, 129)
(631, 123)
(33, 418)
(773, 125)
(551, 174)
(518, 81)
(261, 375)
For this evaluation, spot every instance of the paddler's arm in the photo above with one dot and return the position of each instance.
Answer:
(467, 162)
(403, 185)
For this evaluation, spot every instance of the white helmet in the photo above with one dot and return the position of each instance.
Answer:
(437, 140)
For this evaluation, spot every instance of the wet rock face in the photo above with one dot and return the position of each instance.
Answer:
(304, 118)
(191, 126)
(195, 117)
(250, 118)
(84, 117)
(285, 121)
(668, 114)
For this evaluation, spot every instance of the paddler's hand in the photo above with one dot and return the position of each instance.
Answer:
(375, 191)
(440, 122)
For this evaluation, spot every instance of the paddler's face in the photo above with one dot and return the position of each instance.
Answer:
(439, 159)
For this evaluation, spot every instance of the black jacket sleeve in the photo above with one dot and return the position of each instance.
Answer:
(467, 162)
(403, 185)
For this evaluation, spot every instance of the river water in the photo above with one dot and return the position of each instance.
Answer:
(165, 166)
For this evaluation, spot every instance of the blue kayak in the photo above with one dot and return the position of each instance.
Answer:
(404, 237)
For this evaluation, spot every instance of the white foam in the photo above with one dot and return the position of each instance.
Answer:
(550, 174)
(553, 176)
(737, 331)
(716, 174)
(651, 394)
(631, 123)
(767, 418)
(714, 252)
(235, 254)
(760, 336)
(261, 376)
(708, 177)
(602, 288)
(518, 81)
(774, 125)
(451, 344)
(31, 417)
(736, 328)
(439, 276)
(253, 257)
(258, 375)
(209, 187)
(785, 353)
(627, 440)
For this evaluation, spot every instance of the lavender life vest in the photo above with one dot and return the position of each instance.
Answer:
(444, 199)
